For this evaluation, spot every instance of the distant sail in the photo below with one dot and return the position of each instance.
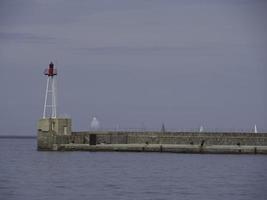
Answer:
(201, 129)
(255, 129)
(163, 128)
(117, 127)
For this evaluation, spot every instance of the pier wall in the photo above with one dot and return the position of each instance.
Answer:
(249, 139)
(48, 141)
(56, 134)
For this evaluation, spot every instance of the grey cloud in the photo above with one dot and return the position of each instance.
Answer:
(212, 50)
(25, 37)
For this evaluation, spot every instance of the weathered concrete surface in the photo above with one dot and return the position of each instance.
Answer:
(249, 139)
(212, 149)
(53, 131)
(61, 126)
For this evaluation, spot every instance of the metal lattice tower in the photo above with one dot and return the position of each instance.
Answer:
(50, 105)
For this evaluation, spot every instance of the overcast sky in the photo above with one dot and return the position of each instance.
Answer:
(135, 63)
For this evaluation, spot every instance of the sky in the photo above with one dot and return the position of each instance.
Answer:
(135, 64)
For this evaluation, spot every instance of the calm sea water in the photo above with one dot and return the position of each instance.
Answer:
(31, 175)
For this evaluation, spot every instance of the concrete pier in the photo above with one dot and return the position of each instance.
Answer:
(56, 135)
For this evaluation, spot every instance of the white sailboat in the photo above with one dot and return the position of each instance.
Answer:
(255, 129)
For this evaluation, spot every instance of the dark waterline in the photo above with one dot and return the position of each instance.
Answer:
(28, 174)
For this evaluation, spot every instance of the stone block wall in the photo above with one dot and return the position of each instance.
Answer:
(250, 139)
(47, 138)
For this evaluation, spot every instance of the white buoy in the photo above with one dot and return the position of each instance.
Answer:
(201, 129)
(255, 129)
(95, 124)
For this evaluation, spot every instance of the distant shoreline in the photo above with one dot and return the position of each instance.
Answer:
(17, 137)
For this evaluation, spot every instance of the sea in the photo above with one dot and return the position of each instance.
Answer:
(28, 174)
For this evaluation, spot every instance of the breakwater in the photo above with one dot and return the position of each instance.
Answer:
(56, 134)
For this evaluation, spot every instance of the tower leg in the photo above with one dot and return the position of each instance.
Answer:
(54, 99)
(46, 94)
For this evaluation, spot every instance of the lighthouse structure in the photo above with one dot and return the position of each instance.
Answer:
(51, 126)
(51, 90)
